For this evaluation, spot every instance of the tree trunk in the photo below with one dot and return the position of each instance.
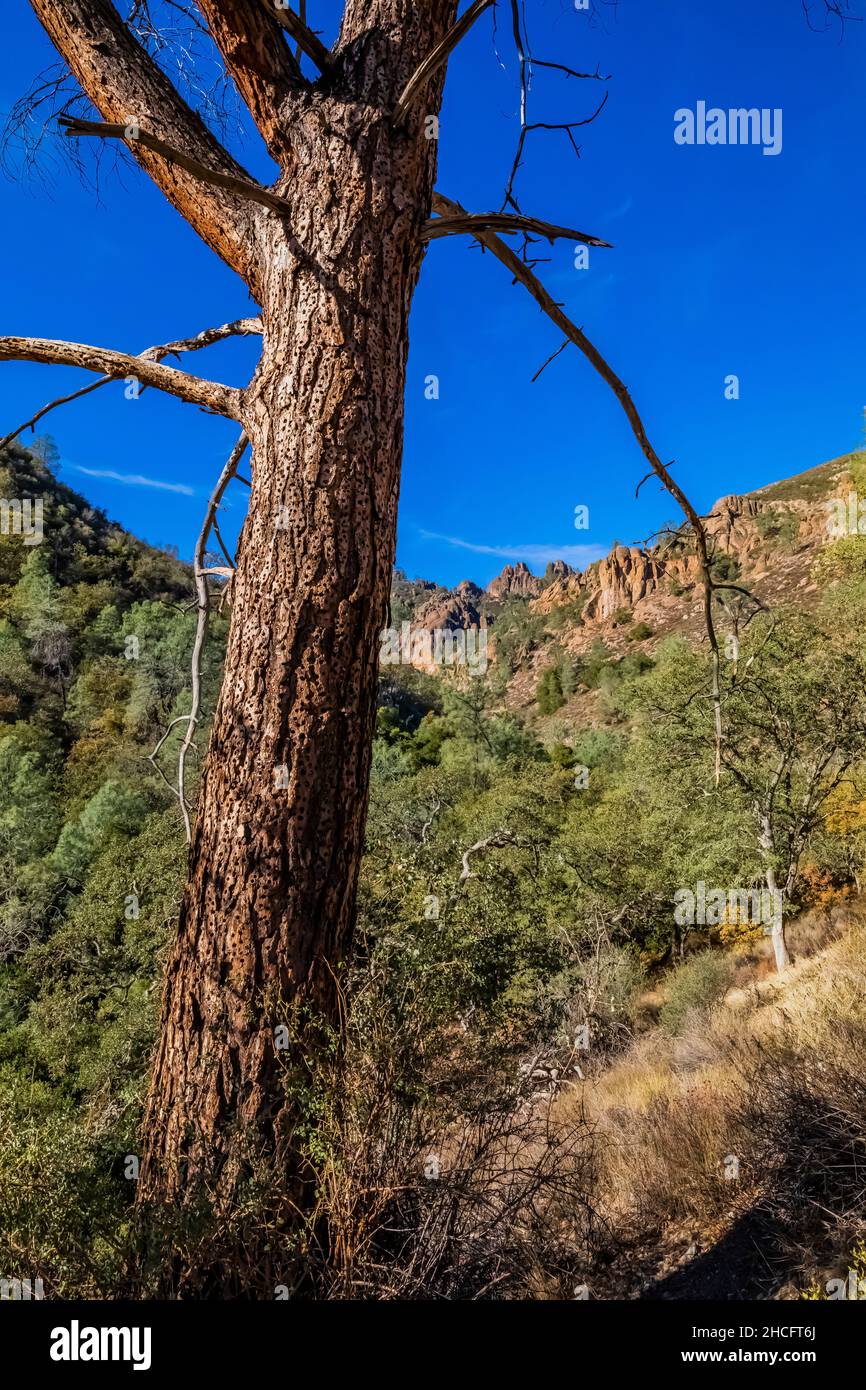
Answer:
(777, 934)
(766, 844)
(267, 915)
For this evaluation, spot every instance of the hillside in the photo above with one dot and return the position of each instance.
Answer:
(636, 597)
(532, 1021)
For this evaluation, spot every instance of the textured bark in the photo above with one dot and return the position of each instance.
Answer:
(268, 911)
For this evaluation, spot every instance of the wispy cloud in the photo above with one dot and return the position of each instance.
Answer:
(579, 556)
(622, 211)
(134, 480)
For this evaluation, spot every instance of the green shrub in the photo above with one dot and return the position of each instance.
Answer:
(694, 986)
(841, 559)
(549, 691)
(857, 469)
(725, 568)
(781, 526)
(596, 661)
(566, 615)
(639, 633)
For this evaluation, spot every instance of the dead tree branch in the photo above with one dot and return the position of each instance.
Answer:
(210, 395)
(521, 272)
(547, 361)
(133, 134)
(477, 222)
(526, 63)
(52, 405)
(152, 757)
(571, 72)
(497, 841)
(203, 606)
(307, 41)
(436, 58)
(155, 354)
(258, 59)
(118, 75)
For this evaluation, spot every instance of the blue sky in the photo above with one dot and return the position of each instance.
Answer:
(725, 261)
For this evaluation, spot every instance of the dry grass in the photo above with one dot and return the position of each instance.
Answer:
(774, 1076)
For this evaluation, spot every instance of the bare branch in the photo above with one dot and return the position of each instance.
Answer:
(52, 405)
(203, 596)
(479, 222)
(203, 339)
(133, 135)
(302, 14)
(261, 64)
(210, 395)
(570, 72)
(526, 64)
(446, 208)
(497, 841)
(646, 477)
(151, 758)
(840, 9)
(120, 77)
(235, 328)
(307, 41)
(526, 129)
(222, 545)
(436, 58)
(546, 363)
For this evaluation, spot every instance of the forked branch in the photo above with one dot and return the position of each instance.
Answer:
(210, 395)
(155, 354)
(203, 606)
(258, 60)
(120, 78)
(497, 841)
(307, 41)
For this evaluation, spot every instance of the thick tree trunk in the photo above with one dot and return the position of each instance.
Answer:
(267, 914)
